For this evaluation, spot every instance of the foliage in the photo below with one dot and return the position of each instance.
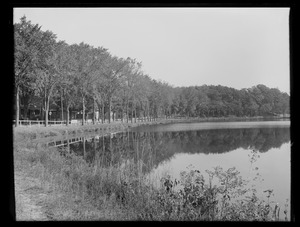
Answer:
(82, 76)
(225, 197)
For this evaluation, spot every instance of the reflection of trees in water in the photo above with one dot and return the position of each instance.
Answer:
(155, 147)
(224, 140)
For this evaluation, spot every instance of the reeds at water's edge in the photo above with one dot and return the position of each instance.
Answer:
(121, 191)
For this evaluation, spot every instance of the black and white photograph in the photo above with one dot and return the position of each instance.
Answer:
(152, 114)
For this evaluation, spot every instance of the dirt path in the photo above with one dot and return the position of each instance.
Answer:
(30, 199)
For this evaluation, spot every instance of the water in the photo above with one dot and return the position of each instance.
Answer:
(256, 149)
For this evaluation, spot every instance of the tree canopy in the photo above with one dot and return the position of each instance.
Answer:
(90, 79)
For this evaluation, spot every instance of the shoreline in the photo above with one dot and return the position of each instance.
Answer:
(33, 133)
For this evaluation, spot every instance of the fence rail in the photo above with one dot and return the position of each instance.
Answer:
(71, 122)
(87, 122)
(42, 123)
(38, 123)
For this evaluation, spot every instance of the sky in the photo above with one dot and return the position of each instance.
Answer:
(234, 47)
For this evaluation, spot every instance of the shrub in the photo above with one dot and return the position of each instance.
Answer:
(224, 197)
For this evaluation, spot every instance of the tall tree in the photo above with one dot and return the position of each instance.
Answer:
(113, 72)
(97, 90)
(48, 73)
(87, 64)
(68, 69)
(31, 48)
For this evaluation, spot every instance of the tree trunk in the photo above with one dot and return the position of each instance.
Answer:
(122, 113)
(99, 109)
(110, 151)
(103, 112)
(94, 111)
(127, 117)
(83, 110)
(56, 115)
(46, 111)
(17, 107)
(134, 112)
(103, 145)
(61, 106)
(26, 112)
(109, 109)
(148, 112)
(68, 115)
(143, 110)
(41, 113)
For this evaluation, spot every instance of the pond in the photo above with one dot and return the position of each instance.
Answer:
(260, 151)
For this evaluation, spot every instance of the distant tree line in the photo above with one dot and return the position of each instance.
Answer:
(89, 79)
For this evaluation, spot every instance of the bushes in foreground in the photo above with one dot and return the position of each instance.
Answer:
(225, 197)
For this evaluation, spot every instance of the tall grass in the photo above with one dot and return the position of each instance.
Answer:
(121, 191)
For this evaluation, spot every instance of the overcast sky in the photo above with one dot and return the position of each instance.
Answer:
(235, 47)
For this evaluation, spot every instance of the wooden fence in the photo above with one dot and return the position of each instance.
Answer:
(71, 122)
(38, 123)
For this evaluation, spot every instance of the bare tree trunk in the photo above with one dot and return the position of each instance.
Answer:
(56, 115)
(94, 111)
(41, 113)
(46, 111)
(148, 112)
(127, 117)
(103, 112)
(83, 110)
(99, 109)
(61, 105)
(142, 108)
(68, 115)
(122, 113)
(17, 107)
(26, 112)
(109, 109)
(134, 112)
(103, 145)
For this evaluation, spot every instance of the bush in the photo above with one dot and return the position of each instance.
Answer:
(223, 198)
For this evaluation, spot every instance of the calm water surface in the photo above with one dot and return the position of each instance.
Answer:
(257, 149)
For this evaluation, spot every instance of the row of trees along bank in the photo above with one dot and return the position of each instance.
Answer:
(89, 79)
